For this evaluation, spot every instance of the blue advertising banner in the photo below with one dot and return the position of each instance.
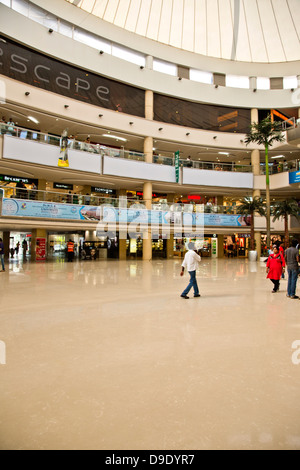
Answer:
(109, 214)
(215, 220)
(294, 177)
(38, 209)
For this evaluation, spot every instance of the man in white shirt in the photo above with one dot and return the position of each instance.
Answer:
(191, 263)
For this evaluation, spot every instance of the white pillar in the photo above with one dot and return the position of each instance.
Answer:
(148, 149)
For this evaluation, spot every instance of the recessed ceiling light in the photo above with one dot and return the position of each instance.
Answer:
(110, 136)
(33, 119)
(223, 153)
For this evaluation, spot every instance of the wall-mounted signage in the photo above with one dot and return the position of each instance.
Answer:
(68, 187)
(103, 190)
(17, 179)
(294, 177)
(31, 67)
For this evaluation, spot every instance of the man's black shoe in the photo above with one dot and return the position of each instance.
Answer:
(184, 296)
(198, 295)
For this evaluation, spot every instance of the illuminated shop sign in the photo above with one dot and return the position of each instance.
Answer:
(69, 187)
(17, 179)
(103, 190)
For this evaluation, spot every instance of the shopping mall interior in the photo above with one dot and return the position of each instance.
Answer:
(124, 136)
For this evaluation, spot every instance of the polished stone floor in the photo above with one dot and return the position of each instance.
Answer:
(106, 355)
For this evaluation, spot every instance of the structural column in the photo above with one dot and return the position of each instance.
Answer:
(170, 247)
(147, 242)
(148, 151)
(255, 162)
(122, 249)
(6, 242)
(38, 233)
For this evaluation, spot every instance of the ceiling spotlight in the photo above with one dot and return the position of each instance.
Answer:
(160, 129)
(100, 115)
(101, 52)
(66, 106)
(27, 93)
(50, 30)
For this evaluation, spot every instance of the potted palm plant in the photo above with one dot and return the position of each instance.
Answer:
(248, 207)
(284, 209)
(266, 133)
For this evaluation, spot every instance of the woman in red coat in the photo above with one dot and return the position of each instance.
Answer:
(275, 268)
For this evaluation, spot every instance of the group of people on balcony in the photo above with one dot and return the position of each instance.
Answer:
(7, 127)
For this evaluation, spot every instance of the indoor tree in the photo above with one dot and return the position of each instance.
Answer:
(282, 209)
(248, 207)
(266, 133)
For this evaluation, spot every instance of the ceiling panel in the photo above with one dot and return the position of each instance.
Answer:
(121, 13)
(286, 29)
(242, 44)
(100, 7)
(154, 19)
(142, 24)
(245, 30)
(188, 28)
(226, 30)
(133, 14)
(256, 37)
(176, 24)
(200, 40)
(165, 22)
(270, 32)
(213, 30)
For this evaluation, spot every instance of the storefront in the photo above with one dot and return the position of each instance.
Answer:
(19, 187)
(206, 246)
(237, 245)
(19, 245)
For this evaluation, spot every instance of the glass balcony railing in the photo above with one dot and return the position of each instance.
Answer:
(30, 194)
(99, 149)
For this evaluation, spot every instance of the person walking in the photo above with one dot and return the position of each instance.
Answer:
(292, 260)
(70, 248)
(2, 253)
(275, 268)
(190, 263)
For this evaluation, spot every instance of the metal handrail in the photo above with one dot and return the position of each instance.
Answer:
(103, 150)
(121, 202)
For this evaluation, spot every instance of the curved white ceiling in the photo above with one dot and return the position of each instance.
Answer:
(264, 31)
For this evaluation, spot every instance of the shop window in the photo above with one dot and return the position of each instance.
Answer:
(164, 67)
(129, 56)
(263, 83)
(20, 6)
(290, 82)
(92, 40)
(6, 2)
(201, 76)
(237, 81)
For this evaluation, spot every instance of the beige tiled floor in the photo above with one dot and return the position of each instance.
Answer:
(105, 355)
